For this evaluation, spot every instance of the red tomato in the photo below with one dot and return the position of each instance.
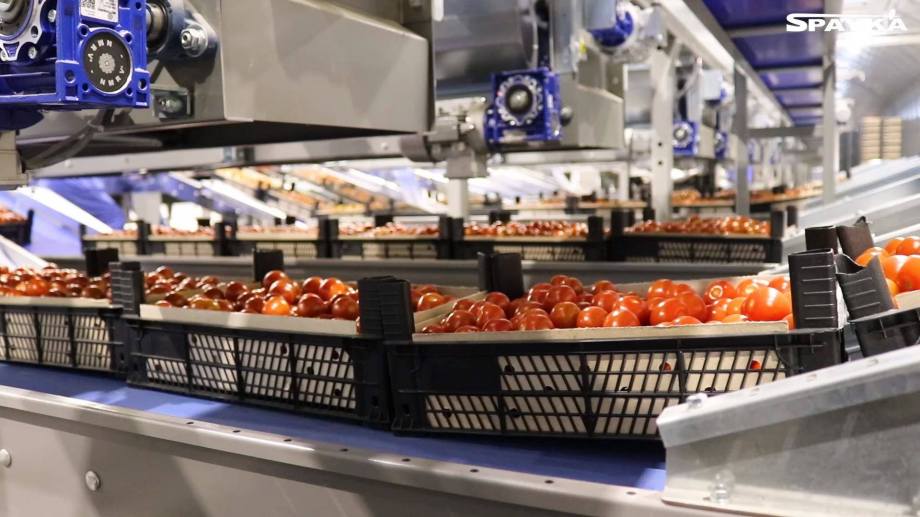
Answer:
(254, 305)
(535, 322)
(430, 301)
(735, 318)
(500, 299)
(215, 293)
(164, 271)
(559, 294)
(591, 317)
(565, 315)
(499, 325)
(346, 308)
(176, 300)
(719, 309)
(622, 317)
(467, 328)
(434, 329)
(462, 305)
(574, 283)
(284, 288)
(427, 288)
(659, 289)
(603, 285)
(92, 291)
(224, 305)
(910, 246)
(488, 312)
(892, 246)
(164, 303)
(686, 320)
(719, 289)
(767, 304)
(457, 319)
(312, 285)
(909, 276)
(635, 305)
(311, 305)
(866, 256)
(527, 306)
(270, 278)
(538, 293)
(234, 290)
(606, 300)
(736, 305)
(892, 266)
(678, 289)
(782, 284)
(331, 287)
(667, 311)
(748, 285)
(210, 280)
(557, 280)
(276, 306)
(695, 305)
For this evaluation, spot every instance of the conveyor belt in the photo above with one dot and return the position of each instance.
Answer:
(632, 464)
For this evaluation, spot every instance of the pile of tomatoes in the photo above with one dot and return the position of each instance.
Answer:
(531, 229)
(565, 303)
(730, 225)
(401, 230)
(8, 216)
(276, 295)
(900, 260)
(52, 282)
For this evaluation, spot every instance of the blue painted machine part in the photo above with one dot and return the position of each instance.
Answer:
(616, 34)
(526, 107)
(686, 135)
(720, 146)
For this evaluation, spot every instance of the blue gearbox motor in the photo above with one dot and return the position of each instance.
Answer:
(686, 138)
(526, 107)
(72, 54)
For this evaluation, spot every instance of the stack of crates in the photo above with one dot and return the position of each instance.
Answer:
(870, 139)
(891, 138)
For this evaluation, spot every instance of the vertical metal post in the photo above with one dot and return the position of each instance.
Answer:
(458, 198)
(663, 85)
(740, 127)
(831, 157)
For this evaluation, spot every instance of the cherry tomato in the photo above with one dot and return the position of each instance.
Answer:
(660, 289)
(311, 305)
(457, 319)
(892, 246)
(718, 289)
(606, 300)
(345, 308)
(892, 266)
(535, 322)
(499, 325)
(603, 285)
(909, 276)
(622, 317)
(781, 284)
(591, 317)
(558, 294)
(695, 305)
(667, 311)
(488, 312)
(869, 254)
(686, 320)
(500, 299)
(748, 285)
(767, 304)
(565, 315)
(635, 305)
(430, 301)
(910, 246)
(331, 287)
(311, 285)
(276, 306)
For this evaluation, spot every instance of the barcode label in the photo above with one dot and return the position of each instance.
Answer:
(100, 9)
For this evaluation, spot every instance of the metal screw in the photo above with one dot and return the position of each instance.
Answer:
(93, 481)
(721, 490)
(33, 52)
(696, 400)
(194, 41)
(52, 15)
(6, 459)
(170, 105)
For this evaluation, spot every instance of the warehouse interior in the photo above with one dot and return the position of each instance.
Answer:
(466, 257)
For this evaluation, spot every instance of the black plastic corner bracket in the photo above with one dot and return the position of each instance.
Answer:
(814, 289)
(865, 290)
(264, 261)
(501, 272)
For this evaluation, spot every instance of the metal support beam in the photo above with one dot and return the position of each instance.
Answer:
(831, 136)
(663, 86)
(740, 126)
(789, 69)
(782, 132)
(458, 198)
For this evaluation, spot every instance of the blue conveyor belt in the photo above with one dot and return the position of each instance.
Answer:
(623, 463)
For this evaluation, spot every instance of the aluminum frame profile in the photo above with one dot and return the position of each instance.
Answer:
(838, 441)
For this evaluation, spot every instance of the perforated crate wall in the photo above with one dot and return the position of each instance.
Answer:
(85, 339)
(183, 248)
(392, 249)
(126, 248)
(655, 248)
(305, 249)
(306, 373)
(538, 251)
(590, 389)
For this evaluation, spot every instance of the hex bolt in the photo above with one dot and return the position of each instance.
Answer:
(93, 481)
(696, 400)
(6, 459)
(194, 41)
(52, 15)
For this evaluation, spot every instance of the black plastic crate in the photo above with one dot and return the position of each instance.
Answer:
(592, 248)
(585, 389)
(82, 338)
(144, 243)
(412, 248)
(887, 331)
(650, 247)
(292, 245)
(20, 233)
